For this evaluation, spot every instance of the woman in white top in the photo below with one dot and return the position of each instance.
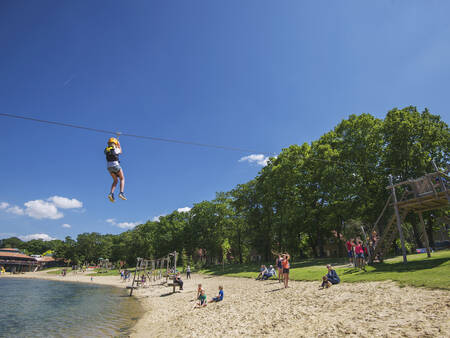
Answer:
(112, 152)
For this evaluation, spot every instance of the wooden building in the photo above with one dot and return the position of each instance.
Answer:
(14, 261)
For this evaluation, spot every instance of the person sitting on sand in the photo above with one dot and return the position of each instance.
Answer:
(220, 296)
(325, 282)
(201, 300)
(178, 280)
(262, 271)
(270, 272)
(332, 276)
(199, 291)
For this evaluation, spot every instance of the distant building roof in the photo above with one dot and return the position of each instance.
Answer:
(8, 253)
(9, 250)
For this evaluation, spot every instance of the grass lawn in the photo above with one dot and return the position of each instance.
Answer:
(431, 272)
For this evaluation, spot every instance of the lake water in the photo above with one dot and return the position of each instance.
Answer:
(32, 307)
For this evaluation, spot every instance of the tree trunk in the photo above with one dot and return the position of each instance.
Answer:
(429, 227)
(239, 246)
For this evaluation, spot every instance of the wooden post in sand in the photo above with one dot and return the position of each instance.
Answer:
(399, 221)
(134, 277)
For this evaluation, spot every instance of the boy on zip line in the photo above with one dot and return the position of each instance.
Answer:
(112, 152)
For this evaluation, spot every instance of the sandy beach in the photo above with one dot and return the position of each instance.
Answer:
(264, 308)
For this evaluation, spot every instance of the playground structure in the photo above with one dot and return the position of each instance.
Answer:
(429, 192)
(151, 270)
(104, 265)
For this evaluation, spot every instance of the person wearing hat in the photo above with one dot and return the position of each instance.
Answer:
(112, 152)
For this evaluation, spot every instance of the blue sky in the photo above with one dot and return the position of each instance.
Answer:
(251, 74)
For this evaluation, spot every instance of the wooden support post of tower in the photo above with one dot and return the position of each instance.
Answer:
(425, 235)
(138, 264)
(175, 262)
(443, 186)
(399, 221)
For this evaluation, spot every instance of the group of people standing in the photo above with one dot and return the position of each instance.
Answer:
(125, 275)
(358, 253)
(283, 266)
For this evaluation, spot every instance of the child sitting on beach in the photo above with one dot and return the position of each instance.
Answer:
(201, 300)
(220, 297)
(325, 282)
(331, 277)
(199, 291)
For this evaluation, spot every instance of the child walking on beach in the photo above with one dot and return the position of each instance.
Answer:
(112, 152)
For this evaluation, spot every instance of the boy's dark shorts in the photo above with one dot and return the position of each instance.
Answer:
(286, 271)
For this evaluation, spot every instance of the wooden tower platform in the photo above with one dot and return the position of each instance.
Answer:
(429, 192)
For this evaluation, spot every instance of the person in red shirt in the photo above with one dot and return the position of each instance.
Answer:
(286, 267)
(359, 251)
(349, 245)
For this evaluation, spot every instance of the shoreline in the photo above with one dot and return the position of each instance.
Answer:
(265, 308)
(79, 277)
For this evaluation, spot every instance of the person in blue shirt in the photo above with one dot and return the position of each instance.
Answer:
(332, 276)
(220, 297)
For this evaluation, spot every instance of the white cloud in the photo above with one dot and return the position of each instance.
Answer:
(40, 209)
(15, 210)
(156, 218)
(65, 225)
(127, 225)
(65, 203)
(259, 159)
(12, 209)
(44, 237)
(123, 225)
(185, 209)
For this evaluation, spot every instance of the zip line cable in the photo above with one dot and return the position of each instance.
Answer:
(152, 138)
(167, 140)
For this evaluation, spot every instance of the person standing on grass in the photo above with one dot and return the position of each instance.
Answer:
(349, 245)
(360, 256)
(188, 272)
(286, 267)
